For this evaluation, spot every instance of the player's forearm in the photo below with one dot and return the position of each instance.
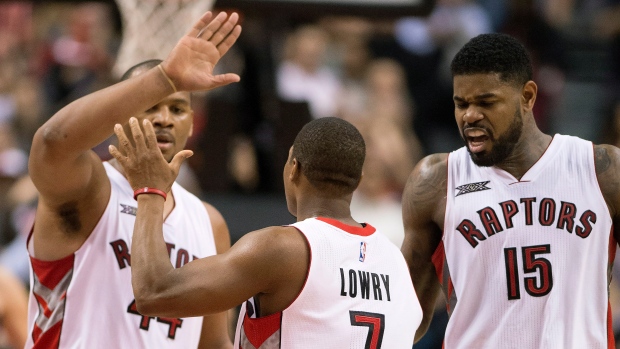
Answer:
(427, 290)
(427, 317)
(90, 120)
(150, 264)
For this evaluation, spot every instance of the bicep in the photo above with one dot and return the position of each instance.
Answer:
(66, 178)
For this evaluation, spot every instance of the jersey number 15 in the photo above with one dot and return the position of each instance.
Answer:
(536, 286)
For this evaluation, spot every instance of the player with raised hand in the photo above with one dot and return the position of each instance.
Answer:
(81, 294)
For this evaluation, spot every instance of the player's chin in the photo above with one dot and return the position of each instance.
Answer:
(483, 158)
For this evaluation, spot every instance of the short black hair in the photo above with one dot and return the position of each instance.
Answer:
(146, 65)
(330, 152)
(494, 53)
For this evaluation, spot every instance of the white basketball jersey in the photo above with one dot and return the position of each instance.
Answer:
(85, 300)
(358, 294)
(528, 259)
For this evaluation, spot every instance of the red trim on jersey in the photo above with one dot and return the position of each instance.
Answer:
(29, 236)
(438, 258)
(362, 231)
(51, 281)
(612, 246)
(257, 331)
(48, 339)
(448, 192)
(450, 294)
(611, 340)
(51, 272)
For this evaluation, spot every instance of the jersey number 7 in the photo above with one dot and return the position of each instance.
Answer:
(375, 323)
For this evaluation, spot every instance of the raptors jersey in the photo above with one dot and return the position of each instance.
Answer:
(85, 300)
(358, 294)
(528, 259)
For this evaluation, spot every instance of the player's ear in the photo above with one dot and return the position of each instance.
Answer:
(361, 179)
(295, 169)
(528, 95)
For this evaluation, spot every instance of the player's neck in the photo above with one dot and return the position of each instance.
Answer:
(527, 152)
(315, 206)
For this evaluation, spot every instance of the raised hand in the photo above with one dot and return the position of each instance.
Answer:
(142, 161)
(190, 63)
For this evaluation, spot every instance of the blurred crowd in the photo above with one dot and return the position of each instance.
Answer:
(389, 77)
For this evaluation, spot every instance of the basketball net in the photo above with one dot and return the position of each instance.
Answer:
(151, 28)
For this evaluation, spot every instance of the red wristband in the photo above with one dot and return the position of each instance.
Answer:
(147, 190)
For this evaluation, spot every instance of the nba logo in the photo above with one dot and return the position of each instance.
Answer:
(362, 251)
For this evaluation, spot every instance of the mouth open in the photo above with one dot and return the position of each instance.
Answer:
(165, 141)
(477, 139)
(477, 144)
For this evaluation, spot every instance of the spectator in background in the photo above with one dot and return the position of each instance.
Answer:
(607, 27)
(531, 25)
(13, 164)
(436, 39)
(80, 58)
(350, 39)
(392, 148)
(13, 310)
(28, 96)
(21, 201)
(303, 76)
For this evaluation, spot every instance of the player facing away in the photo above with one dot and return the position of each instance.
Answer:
(325, 281)
(81, 294)
(517, 226)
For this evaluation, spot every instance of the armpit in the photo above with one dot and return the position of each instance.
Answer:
(69, 217)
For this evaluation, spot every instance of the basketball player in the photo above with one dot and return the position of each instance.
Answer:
(326, 281)
(516, 226)
(81, 293)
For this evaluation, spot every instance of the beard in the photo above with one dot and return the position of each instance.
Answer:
(502, 147)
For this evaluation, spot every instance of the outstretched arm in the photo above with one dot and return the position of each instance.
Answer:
(215, 327)
(423, 214)
(70, 177)
(60, 148)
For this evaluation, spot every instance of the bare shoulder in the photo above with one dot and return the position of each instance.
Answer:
(221, 234)
(607, 164)
(277, 240)
(214, 215)
(606, 157)
(426, 186)
(277, 253)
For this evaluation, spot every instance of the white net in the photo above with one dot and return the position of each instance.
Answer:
(151, 28)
